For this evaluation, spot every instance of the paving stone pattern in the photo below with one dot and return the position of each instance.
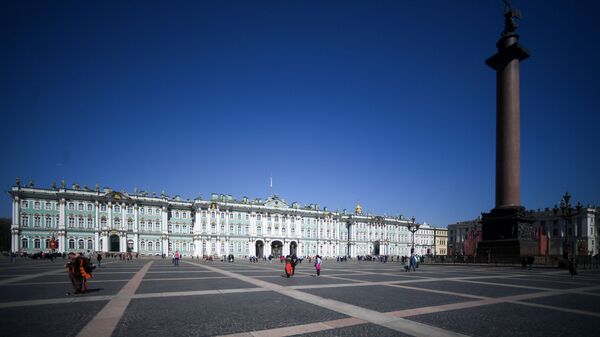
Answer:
(252, 299)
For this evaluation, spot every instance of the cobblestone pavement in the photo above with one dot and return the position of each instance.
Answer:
(152, 297)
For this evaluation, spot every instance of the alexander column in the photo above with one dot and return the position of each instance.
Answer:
(507, 231)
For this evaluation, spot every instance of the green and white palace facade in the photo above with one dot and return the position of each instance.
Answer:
(82, 219)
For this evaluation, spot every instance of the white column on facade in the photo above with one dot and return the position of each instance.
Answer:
(97, 228)
(61, 226)
(252, 248)
(123, 217)
(110, 224)
(164, 224)
(16, 220)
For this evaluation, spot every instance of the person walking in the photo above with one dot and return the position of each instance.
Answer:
(176, 257)
(318, 262)
(572, 270)
(74, 273)
(413, 262)
(99, 258)
(294, 259)
(288, 266)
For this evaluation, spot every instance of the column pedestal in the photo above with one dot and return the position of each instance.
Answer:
(507, 236)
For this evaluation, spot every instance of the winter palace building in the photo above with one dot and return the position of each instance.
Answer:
(81, 219)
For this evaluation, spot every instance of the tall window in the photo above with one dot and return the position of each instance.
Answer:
(169, 228)
(150, 211)
(130, 224)
(103, 222)
(24, 204)
(117, 222)
(71, 222)
(90, 245)
(48, 206)
(143, 245)
(71, 244)
(90, 222)
(37, 220)
(141, 210)
(259, 230)
(36, 244)
(80, 207)
(48, 221)
(103, 207)
(81, 244)
(117, 209)
(90, 207)
(80, 222)
(157, 245)
(24, 243)
(37, 205)
(71, 206)
(142, 226)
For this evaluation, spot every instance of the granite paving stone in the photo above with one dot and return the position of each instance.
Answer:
(511, 320)
(571, 301)
(48, 320)
(212, 315)
(365, 330)
(382, 298)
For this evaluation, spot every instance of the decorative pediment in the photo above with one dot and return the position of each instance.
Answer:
(117, 195)
(275, 202)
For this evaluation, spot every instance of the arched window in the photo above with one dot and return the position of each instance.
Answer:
(230, 228)
(142, 226)
(117, 223)
(90, 222)
(80, 222)
(81, 244)
(37, 220)
(36, 244)
(184, 246)
(130, 224)
(150, 245)
(47, 244)
(71, 244)
(48, 221)
(222, 228)
(103, 222)
(157, 245)
(259, 230)
(24, 243)
(71, 222)
(80, 206)
(90, 245)
(283, 231)
(90, 207)
(142, 245)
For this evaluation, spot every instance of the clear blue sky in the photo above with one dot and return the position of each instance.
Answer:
(385, 102)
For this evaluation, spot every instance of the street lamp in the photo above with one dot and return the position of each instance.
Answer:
(567, 213)
(413, 227)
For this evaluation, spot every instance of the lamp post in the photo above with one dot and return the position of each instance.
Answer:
(413, 227)
(567, 213)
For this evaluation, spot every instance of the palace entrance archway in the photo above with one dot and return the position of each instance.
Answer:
(114, 243)
(276, 248)
(293, 248)
(260, 249)
(376, 248)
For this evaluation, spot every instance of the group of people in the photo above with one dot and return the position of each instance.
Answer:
(293, 260)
